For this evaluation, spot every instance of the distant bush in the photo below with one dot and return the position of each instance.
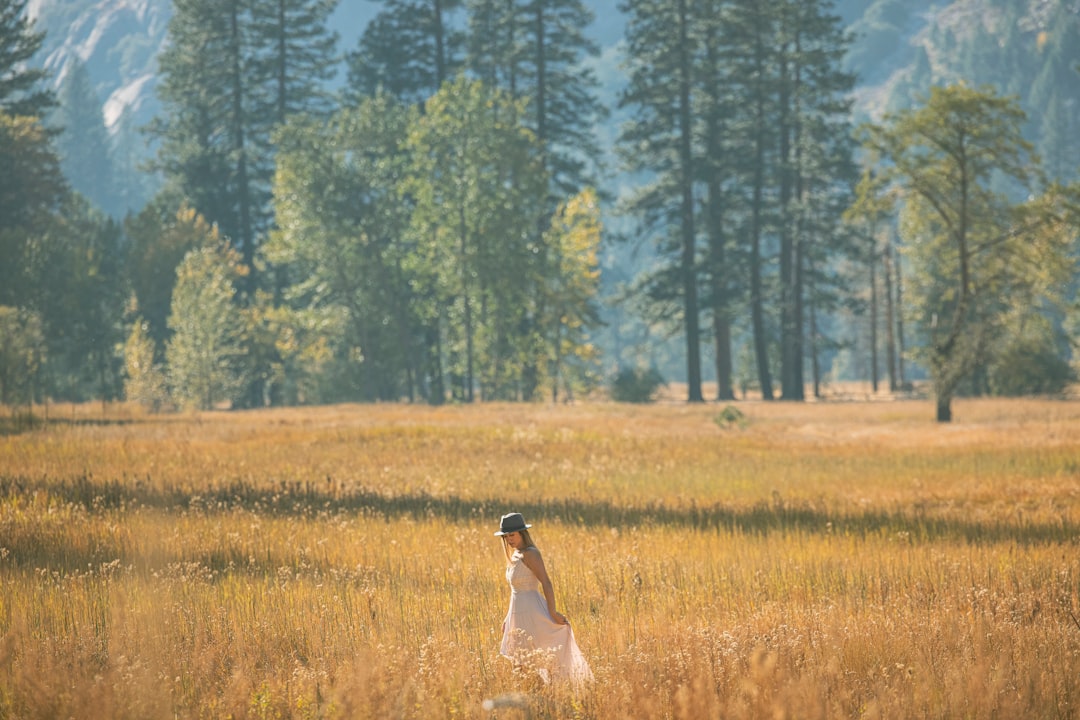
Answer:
(731, 417)
(1025, 369)
(635, 385)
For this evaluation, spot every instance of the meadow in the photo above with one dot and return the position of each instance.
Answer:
(819, 560)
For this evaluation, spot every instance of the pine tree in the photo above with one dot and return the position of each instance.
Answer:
(206, 132)
(83, 142)
(815, 164)
(536, 50)
(661, 52)
(296, 56)
(31, 189)
(408, 50)
(21, 85)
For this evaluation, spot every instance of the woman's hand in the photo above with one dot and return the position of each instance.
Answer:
(560, 619)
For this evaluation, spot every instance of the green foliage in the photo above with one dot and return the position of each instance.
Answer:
(21, 91)
(409, 49)
(144, 378)
(31, 189)
(341, 225)
(537, 51)
(205, 354)
(22, 352)
(479, 187)
(83, 142)
(80, 293)
(1030, 368)
(636, 385)
(731, 417)
(573, 243)
(975, 255)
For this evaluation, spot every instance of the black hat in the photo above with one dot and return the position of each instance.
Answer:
(512, 522)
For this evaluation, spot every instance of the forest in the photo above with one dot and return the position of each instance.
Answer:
(441, 225)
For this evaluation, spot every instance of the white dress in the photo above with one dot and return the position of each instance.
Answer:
(530, 637)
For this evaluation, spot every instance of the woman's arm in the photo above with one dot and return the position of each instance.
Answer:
(532, 559)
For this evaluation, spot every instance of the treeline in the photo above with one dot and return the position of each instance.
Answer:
(432, 231)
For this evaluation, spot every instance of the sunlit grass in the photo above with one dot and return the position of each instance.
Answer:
(827, 560)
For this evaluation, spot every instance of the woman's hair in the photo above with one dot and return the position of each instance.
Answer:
(527, 544)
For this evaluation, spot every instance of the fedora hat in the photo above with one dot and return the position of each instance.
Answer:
(512, 522)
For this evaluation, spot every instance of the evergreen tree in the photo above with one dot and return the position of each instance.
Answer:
(535, 49)
(660, 49)
(408, 50)
(206, 132)
(159, 238)
(31, 189)
(21, 91)
(82, 301)
(83, 142)
(295, 54)
(752, 71)
(815, 164)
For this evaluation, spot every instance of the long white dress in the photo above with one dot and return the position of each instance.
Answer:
(531, 638)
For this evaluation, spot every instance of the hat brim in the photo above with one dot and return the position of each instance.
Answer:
(500, 533)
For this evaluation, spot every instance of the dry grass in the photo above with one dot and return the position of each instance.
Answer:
(821, 560)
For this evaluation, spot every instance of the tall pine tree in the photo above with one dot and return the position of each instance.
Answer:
(83, 141)
(661, 56)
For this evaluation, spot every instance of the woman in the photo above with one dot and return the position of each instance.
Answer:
(535, 634)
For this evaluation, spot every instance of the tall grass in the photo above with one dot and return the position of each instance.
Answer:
(830, 560)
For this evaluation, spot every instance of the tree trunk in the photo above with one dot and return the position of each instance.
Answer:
(757, 311)
(689, 259)
(890, 318)
(873, 316)
(944, 407)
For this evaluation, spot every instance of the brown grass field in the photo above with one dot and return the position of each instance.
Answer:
(819, 560)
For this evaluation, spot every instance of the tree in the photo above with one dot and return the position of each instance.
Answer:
(83, 142)
(814, 164)
(206, 147)
(22, 352)
(80, 292)
(340, 237)
(975, 253)
(144, 378)
(479, 188)
(295, 55)
(21, 93)
(408, 50)
(205, 353)
(535, 50)
(159, 237)
(660, 140)
(31, 189)
(573, 242)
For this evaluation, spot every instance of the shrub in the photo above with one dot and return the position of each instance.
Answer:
(636, 385)
(1026, 369)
